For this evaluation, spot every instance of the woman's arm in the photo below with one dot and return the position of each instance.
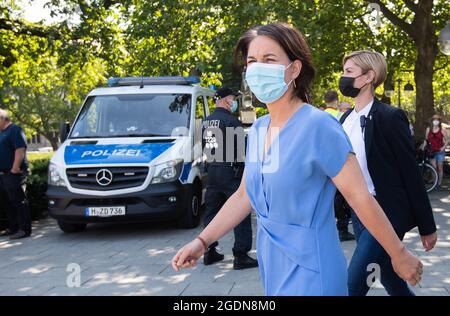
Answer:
(235, 209)
(350, 182)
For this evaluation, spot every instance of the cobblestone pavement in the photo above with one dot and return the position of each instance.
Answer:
(135, 260)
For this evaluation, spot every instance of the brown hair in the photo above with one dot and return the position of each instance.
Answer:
(293, 43)
(330, 96)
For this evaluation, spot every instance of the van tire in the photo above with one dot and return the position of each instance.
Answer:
(71, 227)
(190, 218)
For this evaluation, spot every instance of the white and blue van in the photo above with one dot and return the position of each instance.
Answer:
(134, 153)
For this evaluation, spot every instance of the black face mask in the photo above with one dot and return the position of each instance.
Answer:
(346, 86)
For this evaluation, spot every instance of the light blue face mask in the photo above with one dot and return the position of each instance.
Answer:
(234, 106)
(267, 81)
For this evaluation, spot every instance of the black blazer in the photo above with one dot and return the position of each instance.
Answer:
(392, 165)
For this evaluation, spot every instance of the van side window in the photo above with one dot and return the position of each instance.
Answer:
(200, 108)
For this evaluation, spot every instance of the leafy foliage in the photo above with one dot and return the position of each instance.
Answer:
(47, 69)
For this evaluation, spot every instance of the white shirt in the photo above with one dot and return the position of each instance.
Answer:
(352, 126)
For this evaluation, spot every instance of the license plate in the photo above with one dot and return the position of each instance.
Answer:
(105, 211)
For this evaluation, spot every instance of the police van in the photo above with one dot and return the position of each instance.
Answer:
(133, 153)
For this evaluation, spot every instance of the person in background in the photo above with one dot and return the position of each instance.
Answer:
(341, 207)
(225, 176)
(438, 138)
(343, 216)
(343, 107)
(331, 99)
(13, 176)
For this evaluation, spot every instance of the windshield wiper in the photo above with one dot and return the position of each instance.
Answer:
(78, 137)
(143, 135)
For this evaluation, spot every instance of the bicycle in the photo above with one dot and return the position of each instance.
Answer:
(429, 173)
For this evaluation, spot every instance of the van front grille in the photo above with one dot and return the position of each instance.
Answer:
(106, 178)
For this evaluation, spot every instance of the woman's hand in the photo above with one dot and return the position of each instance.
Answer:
(352, 185)
(188, 255)
(233, 212)
(408, 267)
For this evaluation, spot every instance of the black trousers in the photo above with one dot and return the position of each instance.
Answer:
(14, 201)
(223, 181)
(342, 211)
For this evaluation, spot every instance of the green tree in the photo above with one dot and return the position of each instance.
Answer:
(421, 21)
(47, 70)
(40, 94)
(152, 38)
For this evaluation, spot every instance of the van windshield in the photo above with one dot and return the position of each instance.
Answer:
(134, 115)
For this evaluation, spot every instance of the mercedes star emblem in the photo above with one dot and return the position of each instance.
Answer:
(104, 177)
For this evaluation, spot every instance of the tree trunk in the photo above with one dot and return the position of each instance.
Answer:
(53, 140)
(424, 36)
(422, 32)
(423, 77)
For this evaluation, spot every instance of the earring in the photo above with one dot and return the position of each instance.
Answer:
(295, 86)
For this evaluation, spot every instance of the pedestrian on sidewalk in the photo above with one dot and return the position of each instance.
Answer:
(384, 148)
(438, 138)
(13, 176)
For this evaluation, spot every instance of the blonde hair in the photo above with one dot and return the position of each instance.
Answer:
(369, 60)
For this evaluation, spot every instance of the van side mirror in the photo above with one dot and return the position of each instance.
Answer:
(64, 129)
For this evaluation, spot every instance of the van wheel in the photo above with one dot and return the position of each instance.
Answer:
(191, 213)
(71, 227)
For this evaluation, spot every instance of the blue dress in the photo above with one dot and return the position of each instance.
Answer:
(292, 193)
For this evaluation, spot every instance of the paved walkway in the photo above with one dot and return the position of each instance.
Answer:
(135, 260)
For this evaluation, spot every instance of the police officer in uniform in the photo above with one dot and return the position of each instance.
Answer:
(13, 175)
(225, 166)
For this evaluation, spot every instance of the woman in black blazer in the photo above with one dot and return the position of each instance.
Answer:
(381, 138)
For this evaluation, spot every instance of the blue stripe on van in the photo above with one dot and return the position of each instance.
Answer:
(114, 154)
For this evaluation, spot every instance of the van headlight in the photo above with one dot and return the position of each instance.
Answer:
(168, 171)
(54, 177)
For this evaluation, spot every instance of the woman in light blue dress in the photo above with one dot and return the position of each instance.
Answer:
(296, 157)
(293, 201)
